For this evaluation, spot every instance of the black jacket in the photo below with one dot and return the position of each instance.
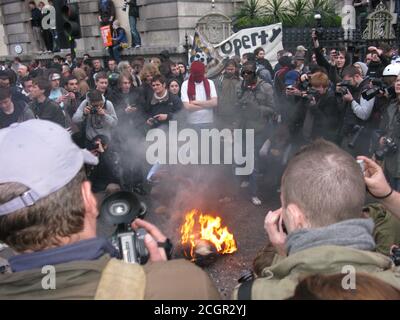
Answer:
(170, 105)
(133, 8)
(48, 110)
(36, 17)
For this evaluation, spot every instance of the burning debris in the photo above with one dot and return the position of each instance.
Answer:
(203, 238)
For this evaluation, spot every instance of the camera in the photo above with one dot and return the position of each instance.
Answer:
(120, 209)
(154, 121)
(344, 87)
(125, 6)
(395, 256)
(319, 31)
(93, 110)
(378, 86)
(312, 94)
(389, 147)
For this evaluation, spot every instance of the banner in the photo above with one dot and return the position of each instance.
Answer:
(106, 36)
(246, 40)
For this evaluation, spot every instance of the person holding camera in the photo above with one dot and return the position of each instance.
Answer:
(163, 105)
(357, 110)
(390, 139)
(97, 116)
(317, 114)
(48, 217)
(317, 233)
(339, 59)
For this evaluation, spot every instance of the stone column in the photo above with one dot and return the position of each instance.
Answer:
(91, 40)
(17, 27)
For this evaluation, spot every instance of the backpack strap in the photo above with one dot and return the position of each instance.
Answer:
(244, 291)
(121, 281)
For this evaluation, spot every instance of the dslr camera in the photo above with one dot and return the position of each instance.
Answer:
(311, 94)
(154, 121)
(395, 256)
(344, 87)
(389, 147)
(120, 209)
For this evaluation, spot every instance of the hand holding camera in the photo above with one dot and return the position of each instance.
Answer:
(151, 240)
(273, 225)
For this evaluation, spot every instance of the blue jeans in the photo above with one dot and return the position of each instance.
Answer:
(55, 40)
(135, 34)
(115, 52)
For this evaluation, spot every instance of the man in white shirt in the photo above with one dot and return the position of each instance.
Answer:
(199, 97)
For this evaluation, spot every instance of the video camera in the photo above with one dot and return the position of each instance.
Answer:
(389, 147)
(319, 30)
(378, 86)
(120, 209)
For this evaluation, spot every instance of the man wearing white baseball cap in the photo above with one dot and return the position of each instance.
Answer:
(48, 217)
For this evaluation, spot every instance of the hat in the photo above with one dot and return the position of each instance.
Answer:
(40, 155)
(363, 67)
(291, 78)
(55, 76)
(299, 56)
(301, 48)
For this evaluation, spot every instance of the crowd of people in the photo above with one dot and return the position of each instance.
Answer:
(312, 114)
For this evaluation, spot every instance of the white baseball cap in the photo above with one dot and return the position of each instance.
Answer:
(40, 155)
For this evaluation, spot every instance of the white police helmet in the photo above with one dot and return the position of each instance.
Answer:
(392, 70)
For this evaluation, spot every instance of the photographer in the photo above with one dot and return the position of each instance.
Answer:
(390, 139)
(317, 114)
(355, 136)
(97, 114)
(339, 60)
(105, 176)
(48, 216)
(317, 233)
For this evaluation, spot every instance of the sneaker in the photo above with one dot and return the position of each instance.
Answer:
(137, 46)
(244, 184)
(3, 246)
(256, 201)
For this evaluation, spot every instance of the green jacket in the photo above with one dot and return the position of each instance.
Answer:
(281, 278)
(174, 279)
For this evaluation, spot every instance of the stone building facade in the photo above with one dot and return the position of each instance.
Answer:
(162, 24)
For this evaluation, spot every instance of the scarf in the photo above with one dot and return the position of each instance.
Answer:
(197, 71)
(354, 233)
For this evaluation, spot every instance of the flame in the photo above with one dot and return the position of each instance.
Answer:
(207, 228)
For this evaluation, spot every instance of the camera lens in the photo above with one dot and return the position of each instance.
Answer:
(119, 208)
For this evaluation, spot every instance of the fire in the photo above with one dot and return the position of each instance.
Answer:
(205, 227)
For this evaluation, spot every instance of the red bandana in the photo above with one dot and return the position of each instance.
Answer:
(197, 71)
